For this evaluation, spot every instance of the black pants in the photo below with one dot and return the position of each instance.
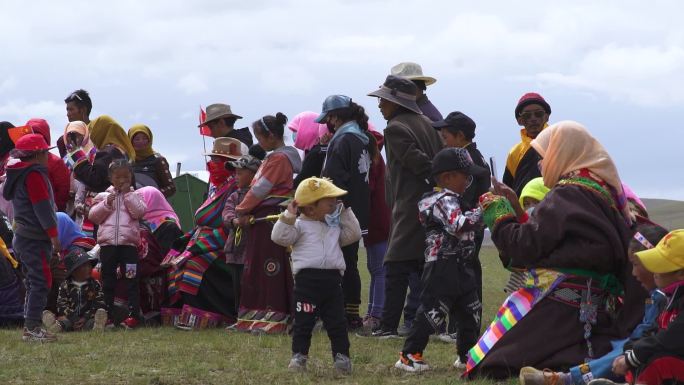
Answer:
(476, 265)
(236, 274)
(351, 282)
(318, 293)
(449, 288)
(396, 283)
(112, 257)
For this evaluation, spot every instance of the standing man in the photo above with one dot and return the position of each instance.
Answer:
(220, 119)
(532, 113)
(410, 145)
(414, 73)
(78, 108)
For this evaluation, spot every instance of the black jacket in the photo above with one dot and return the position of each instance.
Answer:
(312, 164)
(154, 171)
(96, 175)
(471, 196)
(348, 165)
(668, 341)
(241, 134)
(528, 169)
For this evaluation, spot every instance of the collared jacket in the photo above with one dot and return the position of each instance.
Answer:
(522, 164)
(315, 245)
(119, 224)
(410, 144)
(76, 301)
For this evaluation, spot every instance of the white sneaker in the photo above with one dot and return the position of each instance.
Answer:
(100, 320)
(342, 364)
(50, 322)
(298, 363)
(448, 338)
(459, 365)
(37, 334)
(411, 363)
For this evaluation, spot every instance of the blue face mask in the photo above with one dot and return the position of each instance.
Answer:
(333, 220)
(294, 136)
(530, 210)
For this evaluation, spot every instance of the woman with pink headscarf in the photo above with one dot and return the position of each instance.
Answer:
(573, 250)
(312, 138)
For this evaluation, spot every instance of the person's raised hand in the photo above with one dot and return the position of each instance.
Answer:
(110, 199)
(292, 207)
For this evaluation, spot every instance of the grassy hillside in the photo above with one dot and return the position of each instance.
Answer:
(667, 213)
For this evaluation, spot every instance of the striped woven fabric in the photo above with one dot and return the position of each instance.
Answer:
(538, 283)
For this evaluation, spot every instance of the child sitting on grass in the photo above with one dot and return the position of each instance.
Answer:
(316, 237)
(659, 358)
(449, 282)
(80, 301)
(117, 212)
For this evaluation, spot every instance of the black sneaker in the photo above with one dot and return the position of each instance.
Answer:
(382, 334)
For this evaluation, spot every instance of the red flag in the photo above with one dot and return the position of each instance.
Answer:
(204, 130)
(17, 132)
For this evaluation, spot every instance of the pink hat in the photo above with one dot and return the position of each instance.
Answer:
(308, 131)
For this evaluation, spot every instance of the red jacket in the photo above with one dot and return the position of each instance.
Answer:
(60, 178)
(379, 221)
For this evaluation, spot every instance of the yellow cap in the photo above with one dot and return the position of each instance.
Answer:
(310, 190)
(667, 256)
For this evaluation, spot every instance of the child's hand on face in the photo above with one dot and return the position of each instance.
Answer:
(292, 207)
(110, 199)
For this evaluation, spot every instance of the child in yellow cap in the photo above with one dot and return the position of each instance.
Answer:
(316, 237)
(659, 358)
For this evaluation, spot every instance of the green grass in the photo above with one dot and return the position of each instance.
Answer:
(169, 356)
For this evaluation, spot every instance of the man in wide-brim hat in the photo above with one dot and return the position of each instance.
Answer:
(410, 145)
(221, 121)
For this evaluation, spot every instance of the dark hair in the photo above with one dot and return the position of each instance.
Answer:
(470, 135)
(275, 125)
(118, 164)
(230, 121)
(357, 113)
(256, 151)
(81, 98)
(420, 84)
(651, 231)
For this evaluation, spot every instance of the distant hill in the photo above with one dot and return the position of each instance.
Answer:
(669, 214)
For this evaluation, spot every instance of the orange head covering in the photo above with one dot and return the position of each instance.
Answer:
(567, 146)
(80, 128)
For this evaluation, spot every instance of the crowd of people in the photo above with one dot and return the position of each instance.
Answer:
(90, 241)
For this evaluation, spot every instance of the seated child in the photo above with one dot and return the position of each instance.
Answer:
(449, 281)
(245, 169)
(117, 211)
(647, 235)
(659, 358)
(80, 301)
(316, 237)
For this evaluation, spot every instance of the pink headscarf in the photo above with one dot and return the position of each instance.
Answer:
(158, 208)
(308, 131)
(631, 195)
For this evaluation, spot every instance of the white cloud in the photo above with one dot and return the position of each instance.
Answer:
(193, 83)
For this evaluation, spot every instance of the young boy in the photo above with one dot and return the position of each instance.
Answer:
(316, 237)
(35, 227)
(80, 302)
(245, 169)
(449, 281)
(659, 358)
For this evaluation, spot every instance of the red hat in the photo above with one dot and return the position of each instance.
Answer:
(531, 98)
(31, 142)
(40, 126)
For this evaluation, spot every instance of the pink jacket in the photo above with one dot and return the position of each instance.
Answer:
(118, 223)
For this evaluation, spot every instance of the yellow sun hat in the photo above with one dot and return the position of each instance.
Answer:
(310, 190)
(667, 256)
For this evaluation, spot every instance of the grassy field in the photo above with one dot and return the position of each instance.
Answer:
(169, 356)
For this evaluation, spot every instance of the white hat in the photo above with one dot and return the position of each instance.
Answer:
(411, 71)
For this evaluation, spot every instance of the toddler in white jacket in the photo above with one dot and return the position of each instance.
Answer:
(316, 237)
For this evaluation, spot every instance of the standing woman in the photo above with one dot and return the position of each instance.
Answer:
(310, 137)
(266, 295)
(348, 163)
(151, 168)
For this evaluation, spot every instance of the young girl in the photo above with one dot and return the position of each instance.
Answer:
(318, 264)
(266, 295)
(117, 211)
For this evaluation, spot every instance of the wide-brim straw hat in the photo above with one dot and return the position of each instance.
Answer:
(230, 148)
(411, 71)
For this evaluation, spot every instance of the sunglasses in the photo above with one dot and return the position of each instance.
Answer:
(74, 95)
(528, 115)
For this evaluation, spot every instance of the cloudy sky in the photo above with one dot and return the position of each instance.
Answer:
(615, 66)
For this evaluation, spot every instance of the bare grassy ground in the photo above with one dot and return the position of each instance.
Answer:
(169, 356)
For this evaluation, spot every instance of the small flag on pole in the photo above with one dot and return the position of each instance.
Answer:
(204, 130)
